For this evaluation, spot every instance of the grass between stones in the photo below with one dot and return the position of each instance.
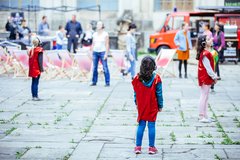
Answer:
(2, 121)
(172, 136)
(9, 131)
(226, 139)
(20, 154)
(236, 120)
(182, 116)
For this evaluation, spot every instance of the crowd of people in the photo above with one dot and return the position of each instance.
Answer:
(147, 84)
(184, 45)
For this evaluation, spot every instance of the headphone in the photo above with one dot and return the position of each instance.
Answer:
(203, 44)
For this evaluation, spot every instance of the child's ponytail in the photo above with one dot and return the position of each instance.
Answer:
(201, 44)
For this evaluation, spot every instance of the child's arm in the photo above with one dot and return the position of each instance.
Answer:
(40, 61)
(159, 96)
(135, 100)
(208, 67)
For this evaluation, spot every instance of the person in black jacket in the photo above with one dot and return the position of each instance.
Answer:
(74, 30)
(10, 27)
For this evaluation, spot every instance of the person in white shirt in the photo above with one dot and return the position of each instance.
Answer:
(60, 37)
(87, 36)
(100, 48)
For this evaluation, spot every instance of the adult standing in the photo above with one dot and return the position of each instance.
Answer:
(87, 36)
(74, 30)
(100, 48)
(25, 32)
(183, 40)
(131, 49)
(218, 45)
(43, 27)
(207, 31)
(10, 27)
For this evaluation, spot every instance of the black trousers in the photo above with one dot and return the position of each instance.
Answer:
(221, 56)
(180, 66)
(74, 41)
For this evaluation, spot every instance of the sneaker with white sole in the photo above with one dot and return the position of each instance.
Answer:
(36, 99)
(152, 150)
(138, 149)
(205, 120)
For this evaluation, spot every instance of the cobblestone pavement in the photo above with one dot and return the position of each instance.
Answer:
(78, 122)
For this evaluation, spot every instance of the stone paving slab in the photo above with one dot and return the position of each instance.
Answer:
(75, 121)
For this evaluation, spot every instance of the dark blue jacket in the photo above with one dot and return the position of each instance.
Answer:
(78, 27)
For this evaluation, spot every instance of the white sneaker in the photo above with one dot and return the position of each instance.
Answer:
(36, 99)
(205, 120)
(212, 119)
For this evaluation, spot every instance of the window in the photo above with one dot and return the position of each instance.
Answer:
(162, 5)
(175, 23)
(18, 4)
(106, 5)
(168, 5)
(169, 25)
(184, 5)
(178, 20)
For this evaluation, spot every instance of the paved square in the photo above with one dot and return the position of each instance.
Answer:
(78, 122)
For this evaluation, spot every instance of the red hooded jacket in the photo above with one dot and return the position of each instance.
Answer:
(34, 66)
(203, 77)
(146, 99)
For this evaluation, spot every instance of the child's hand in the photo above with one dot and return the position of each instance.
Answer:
(159, 109)
(215, 81)
(136, 107)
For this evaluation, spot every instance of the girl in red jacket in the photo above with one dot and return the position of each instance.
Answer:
(35, 66)
(147, 87)
(206, 75)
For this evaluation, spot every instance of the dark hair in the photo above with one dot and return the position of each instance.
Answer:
(201, 44)
(147, 67)
(43, 17)
(219, 26)
(132, 26)
(207, 25)
(183, 24)
(60, 27)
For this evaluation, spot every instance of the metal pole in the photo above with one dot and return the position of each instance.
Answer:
(99, 12)
(35, 10)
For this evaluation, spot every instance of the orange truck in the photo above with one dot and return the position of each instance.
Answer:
(165, 37)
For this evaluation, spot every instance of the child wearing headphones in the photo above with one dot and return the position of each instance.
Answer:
(35, 66)
(206, 75)
(148, 97)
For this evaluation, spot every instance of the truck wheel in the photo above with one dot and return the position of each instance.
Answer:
(161, 47)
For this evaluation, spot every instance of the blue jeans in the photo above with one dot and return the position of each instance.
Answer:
(35, 82)
(59, 47)
(96, 57)
(132, 67)
(151, 133)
